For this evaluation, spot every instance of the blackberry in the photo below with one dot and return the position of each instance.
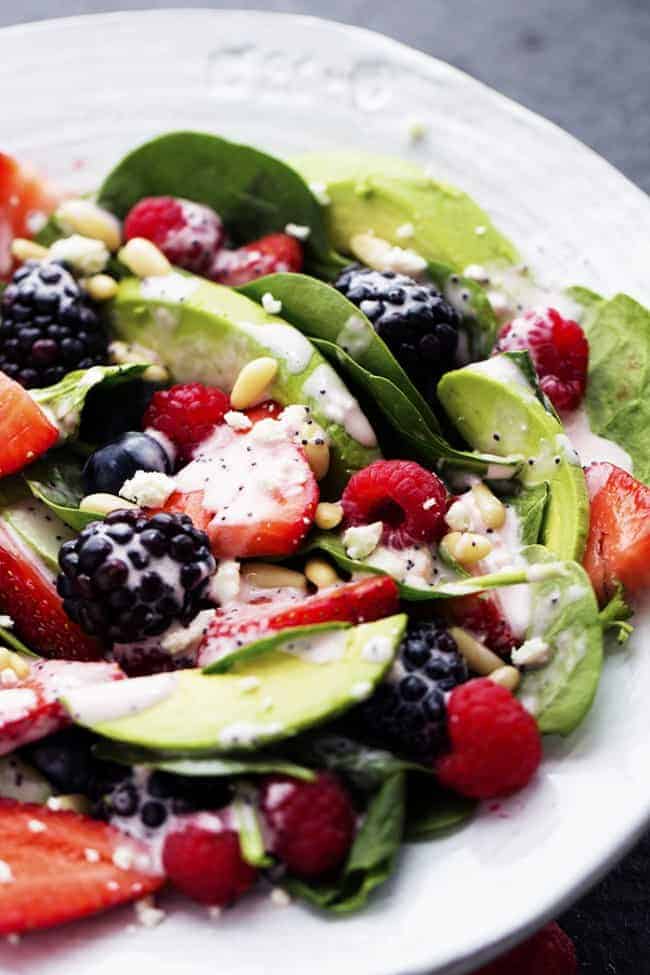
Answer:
(129, 576)
(407, 712)
(149, 799)
(49, 326)
(415, 321)
(67, 761)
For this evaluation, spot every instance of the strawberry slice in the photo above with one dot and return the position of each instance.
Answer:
(268, 255)
(29, 596)
(354, 602)
(25, 201)
(618, 546)
(60, 866)
(30, 709)
(25, 431)
(482, 616)
(253, 492)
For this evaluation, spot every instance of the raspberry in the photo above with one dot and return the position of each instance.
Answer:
(312, 822)
(187, 414)
(482, 616)
(207, 866)
(268, 255)
(189, 234)
(549, 952)
(409, 500)
(495, 744)
(559, 350)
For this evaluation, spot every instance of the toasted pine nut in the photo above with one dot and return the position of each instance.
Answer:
(252, 382)
(143, 258)
(27, 250)
(100, 287)
(477, 656)
(86, 218)
(508, 677)
(492, 511)
(321, 573)
(267, 576)
(14, 662)
(103, 504)
(328, 515)
(383, 256)
(466, 547)
(458, 516)
(156, 374)
(318, 458)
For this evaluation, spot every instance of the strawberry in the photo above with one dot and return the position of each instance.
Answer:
(482, 616)
(28, 594)
(354, 602)
(268, 255)
(30, 709)
(25, 201)
(618, 546)
(25, 431)
(60, 866)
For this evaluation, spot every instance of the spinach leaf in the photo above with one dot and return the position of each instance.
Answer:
(615, 615)
(247, 824)
(364, 767)
(56, 480)
(530, 506)
(273, 642)
(478, 321)
(254, 193)
(8, 639)
(372, 858)
(431, 810)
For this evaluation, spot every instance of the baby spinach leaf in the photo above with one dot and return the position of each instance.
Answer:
(478, 321)
(431, 811)
(248, 826)
(275, 641)
(372, 858)
(365, 767)
(9, 639)
(254, 193)
(530, 507)
(615, 615)
(56, 480)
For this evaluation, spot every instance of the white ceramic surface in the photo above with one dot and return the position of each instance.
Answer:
(84, 90)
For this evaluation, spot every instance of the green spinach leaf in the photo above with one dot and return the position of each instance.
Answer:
(431, 811)
(530, 507)
(217, 767)
(56, 481)
(365, 767)
(615, 615)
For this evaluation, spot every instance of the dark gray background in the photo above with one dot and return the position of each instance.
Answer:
(585, 64)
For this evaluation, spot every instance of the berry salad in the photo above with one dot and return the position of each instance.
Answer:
(317, 510)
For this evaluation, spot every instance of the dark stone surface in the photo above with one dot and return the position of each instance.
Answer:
(585, 64)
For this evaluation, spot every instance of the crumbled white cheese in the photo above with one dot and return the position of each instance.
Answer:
(85, 254)
(270, 304)
(476, 272)
(404, 231)
(243, 734)
(6, 622)
(226, 583)
(279, 897)
(237, 420)
(383, 256)
(360, 540)
(297, 230)
(6, 876)
(186, 639)
(123, 857)
(319, 190)
(268, 431)
(148, 915)
(150, 489)
(533, 653)
(361, 690)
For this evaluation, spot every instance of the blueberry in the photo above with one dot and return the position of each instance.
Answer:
(108, 468)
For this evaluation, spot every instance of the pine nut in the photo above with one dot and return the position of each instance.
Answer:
(318, 458)
(14, 662)
(492, 511)
(252, 382)
(328, 515)
(85, 217)
(467, 548)
(267, 576)
(458, 516)
(508, 677)
(143, 258)
(103, 504)
(321, 573)
(478, 657)
(156, 374)
(100, 287)
(27, 250)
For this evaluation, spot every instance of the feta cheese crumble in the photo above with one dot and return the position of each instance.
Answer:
(532, 653)
(270, 304)
(149, 489)
(319, 190)
(361, 540)
(148, 915)
(297, 230)
(186, 639)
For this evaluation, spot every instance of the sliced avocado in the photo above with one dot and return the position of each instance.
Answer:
(206, 333)
(256, 703)
(21, 782)
(564, 616)
(384, 194)
(38, 528)
(495, 407)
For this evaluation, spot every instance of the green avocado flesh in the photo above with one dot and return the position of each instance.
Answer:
(37, 527)
(205, 332)
(264, 700)
(495, 408)
(383, 194)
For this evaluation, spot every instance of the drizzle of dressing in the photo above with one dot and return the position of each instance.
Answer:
(110, 702)
(325, 388)
(323, 649)
(590, 446)
(172, 287)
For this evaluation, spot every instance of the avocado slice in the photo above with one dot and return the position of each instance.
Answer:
(495, 407)
(21, 782)
(206, 332)
(379, 194)
(257, 702)
(38, 528)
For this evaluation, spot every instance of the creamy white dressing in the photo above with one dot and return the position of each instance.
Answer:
(515, 601)
(172, 287)
(355, 336)
(589, 445)
(284, 342)
(109, 702)
(325, 388)
(323, 649)
(503, 370)
(245, 734)
(377, 650)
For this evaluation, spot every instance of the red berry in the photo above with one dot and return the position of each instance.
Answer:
(495, 743)
(559, 350)
(189, 234)
(187, 414)
(268, 255)
(312, 823)
(549, 952)
(207, 866)
(482, 616)
(409, 500)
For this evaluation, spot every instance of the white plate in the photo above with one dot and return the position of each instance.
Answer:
(83, 91)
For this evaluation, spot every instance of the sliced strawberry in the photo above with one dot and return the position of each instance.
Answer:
(482, 616)
(60, 866)
(29, 596)
(354, 602)
(254, 495)
(30, 709)
(25, 200)
(618, 546)
(268, 255)
(25, 431)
